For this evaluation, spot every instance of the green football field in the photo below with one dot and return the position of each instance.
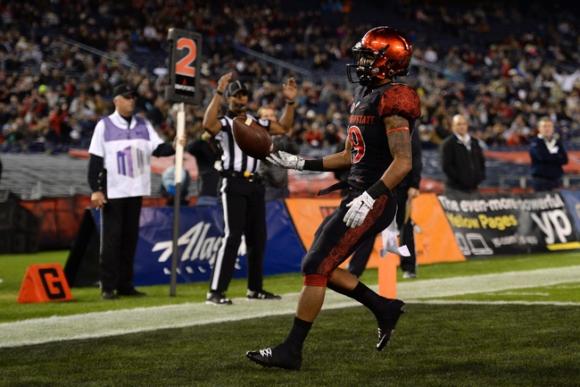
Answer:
(13, 267)
(503, 330)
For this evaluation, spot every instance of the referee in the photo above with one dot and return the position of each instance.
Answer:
(242, 191)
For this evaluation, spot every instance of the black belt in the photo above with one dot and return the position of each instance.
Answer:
(249, 176)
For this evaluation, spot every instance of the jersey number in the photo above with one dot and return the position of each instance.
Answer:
(357, 144)
(184, 65)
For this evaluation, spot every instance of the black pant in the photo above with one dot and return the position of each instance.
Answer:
(540, 184)
(244, 213)
(119, 233)
(362, 254)
(335, 241)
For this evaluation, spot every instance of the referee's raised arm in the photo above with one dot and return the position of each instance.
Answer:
(289, 90)
(210, 118)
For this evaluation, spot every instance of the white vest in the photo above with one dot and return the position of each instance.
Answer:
(127, 154)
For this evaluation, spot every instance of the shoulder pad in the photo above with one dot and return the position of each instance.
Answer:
(400, 100)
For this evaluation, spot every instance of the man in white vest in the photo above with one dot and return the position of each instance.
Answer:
(119, 176)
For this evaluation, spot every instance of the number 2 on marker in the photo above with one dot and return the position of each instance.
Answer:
(184, 65)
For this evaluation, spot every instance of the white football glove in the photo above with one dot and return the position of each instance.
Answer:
(286, 160)
(359, 208)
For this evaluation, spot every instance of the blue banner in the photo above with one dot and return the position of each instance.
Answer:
(201, 232)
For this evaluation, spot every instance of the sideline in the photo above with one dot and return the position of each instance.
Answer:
(120, 322)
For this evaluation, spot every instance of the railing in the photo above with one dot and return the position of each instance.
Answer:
(280, 64)
(111, 57)
(568, 181)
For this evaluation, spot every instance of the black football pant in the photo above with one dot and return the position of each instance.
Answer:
(334, 241)
(244, 210)
(361, 256)
(119, 233)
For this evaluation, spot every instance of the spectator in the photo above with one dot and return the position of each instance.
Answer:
(503, 82)
(462, 159)
(548, 156)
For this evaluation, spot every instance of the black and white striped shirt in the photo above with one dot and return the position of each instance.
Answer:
(233, 158)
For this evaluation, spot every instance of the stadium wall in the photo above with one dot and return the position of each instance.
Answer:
(448, 229)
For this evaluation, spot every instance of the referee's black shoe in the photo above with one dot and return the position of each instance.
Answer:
(216, 298)
(108, 295)
(262, 295)
(281, 357)
(131, 292)
(393, 309)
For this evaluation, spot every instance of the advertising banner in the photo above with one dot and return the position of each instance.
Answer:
(308, 214)
(572, 200)
(434, 241)
(505, 224)
(201, 232)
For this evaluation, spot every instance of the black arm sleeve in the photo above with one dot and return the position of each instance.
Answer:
(415, 174)
(164, 150)
(96, 166)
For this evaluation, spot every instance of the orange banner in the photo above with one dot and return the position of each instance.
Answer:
(307, 214)
(434, 240)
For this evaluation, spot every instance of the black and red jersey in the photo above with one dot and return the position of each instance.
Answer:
(370, 154)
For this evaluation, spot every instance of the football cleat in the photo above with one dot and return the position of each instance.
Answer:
(280, 357)
(262, 295)
(393, 310)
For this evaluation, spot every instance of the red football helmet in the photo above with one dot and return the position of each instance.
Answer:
(383, 52)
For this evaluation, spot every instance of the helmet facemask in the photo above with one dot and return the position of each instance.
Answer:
(365, 65)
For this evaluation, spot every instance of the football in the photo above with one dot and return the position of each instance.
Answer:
(252, 138)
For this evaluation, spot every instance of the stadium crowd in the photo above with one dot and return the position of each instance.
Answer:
(59, 58)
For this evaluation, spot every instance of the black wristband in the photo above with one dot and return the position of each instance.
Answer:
(313, 165)
(378, 189)
(290, 102)
(219, 92)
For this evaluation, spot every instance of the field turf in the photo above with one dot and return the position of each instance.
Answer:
(493, 343)
(435, 345)
(13, 267)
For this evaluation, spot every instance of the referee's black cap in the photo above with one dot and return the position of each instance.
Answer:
(236, 87)
(124, 89)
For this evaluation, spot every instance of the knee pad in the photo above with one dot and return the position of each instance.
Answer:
(318, 280)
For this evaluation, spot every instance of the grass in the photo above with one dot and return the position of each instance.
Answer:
(569, 292)
(435, 345)
(12, 268)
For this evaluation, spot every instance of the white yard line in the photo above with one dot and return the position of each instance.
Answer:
(119, 322)
(523, 303)
(456, 286)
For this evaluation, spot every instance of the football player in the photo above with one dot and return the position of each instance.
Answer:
(378, 153)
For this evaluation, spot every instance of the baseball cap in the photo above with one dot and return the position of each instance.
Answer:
(124, 89)
(235, 87)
